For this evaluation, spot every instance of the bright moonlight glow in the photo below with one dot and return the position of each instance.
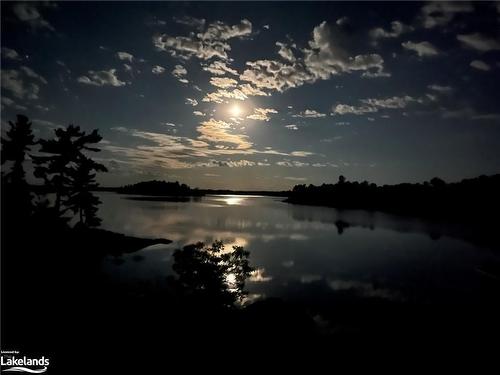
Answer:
(235, 110)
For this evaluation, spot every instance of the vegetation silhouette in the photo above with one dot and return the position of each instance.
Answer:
(159, 188)
(210, 275)
(470, 199)
(15, 150)
(64, 167)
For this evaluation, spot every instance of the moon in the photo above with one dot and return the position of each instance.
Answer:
(235, 110)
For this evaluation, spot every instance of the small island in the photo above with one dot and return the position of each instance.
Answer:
(161, 190)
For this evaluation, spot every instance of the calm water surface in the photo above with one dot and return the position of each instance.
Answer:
(305, 252)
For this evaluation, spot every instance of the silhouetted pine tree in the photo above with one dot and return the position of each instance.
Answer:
(63, 169)
(82, 181)
(15, 148)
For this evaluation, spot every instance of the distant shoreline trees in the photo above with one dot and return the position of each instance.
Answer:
(434, 198)
(159, 188)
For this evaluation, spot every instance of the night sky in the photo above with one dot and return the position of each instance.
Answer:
(262, 95)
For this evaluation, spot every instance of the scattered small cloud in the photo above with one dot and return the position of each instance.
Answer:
(441, 13)
(157, 69)
(398, 28)
(223, 82)
(310, 113)
(423, 49)
(210, 42)
(192, 102)
(479, 42)
(480, 65)
(374, 105)
(261, 114)
(20, 83)
(439, 88)
(10, 54)
(101, 78)
(180, 72)
(219, 68)
(125, 56)
(29, 12)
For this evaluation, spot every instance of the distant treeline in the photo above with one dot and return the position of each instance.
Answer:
(284, 193)
(158, 188)
(163, 188)
(434, 198)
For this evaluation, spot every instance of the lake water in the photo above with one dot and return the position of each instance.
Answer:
(306, 253)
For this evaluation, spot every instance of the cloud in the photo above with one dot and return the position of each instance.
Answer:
(179, 72)
(249, 90)
(221, 31)
(479, 42)
(157, 69)
(480, 65)
(197, 23)
(310, 113)
(47, 124)
(164, 151)
(440, 13)
(192, 102)
(301, 153)
(198, 113)
(219, 68)
(31, 73)
(327, 54)
(186, 47)
(374, 105)
(440, 89)
(220, 95)
(397, 29)
(343, 21)
(285, 52)
(210, 43)
(468, 113)
(376, 74)
(292, 127)
(391, 103)
(292, 163)
(10, 103)
(101, 78)
(223, 82)
(15, 81)
(344, 109)
(125, 56)
(10, 54)
(274, 75)
(261, 114)
(28, 12)
(487, 116)
(218, 132)
(422, 49)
